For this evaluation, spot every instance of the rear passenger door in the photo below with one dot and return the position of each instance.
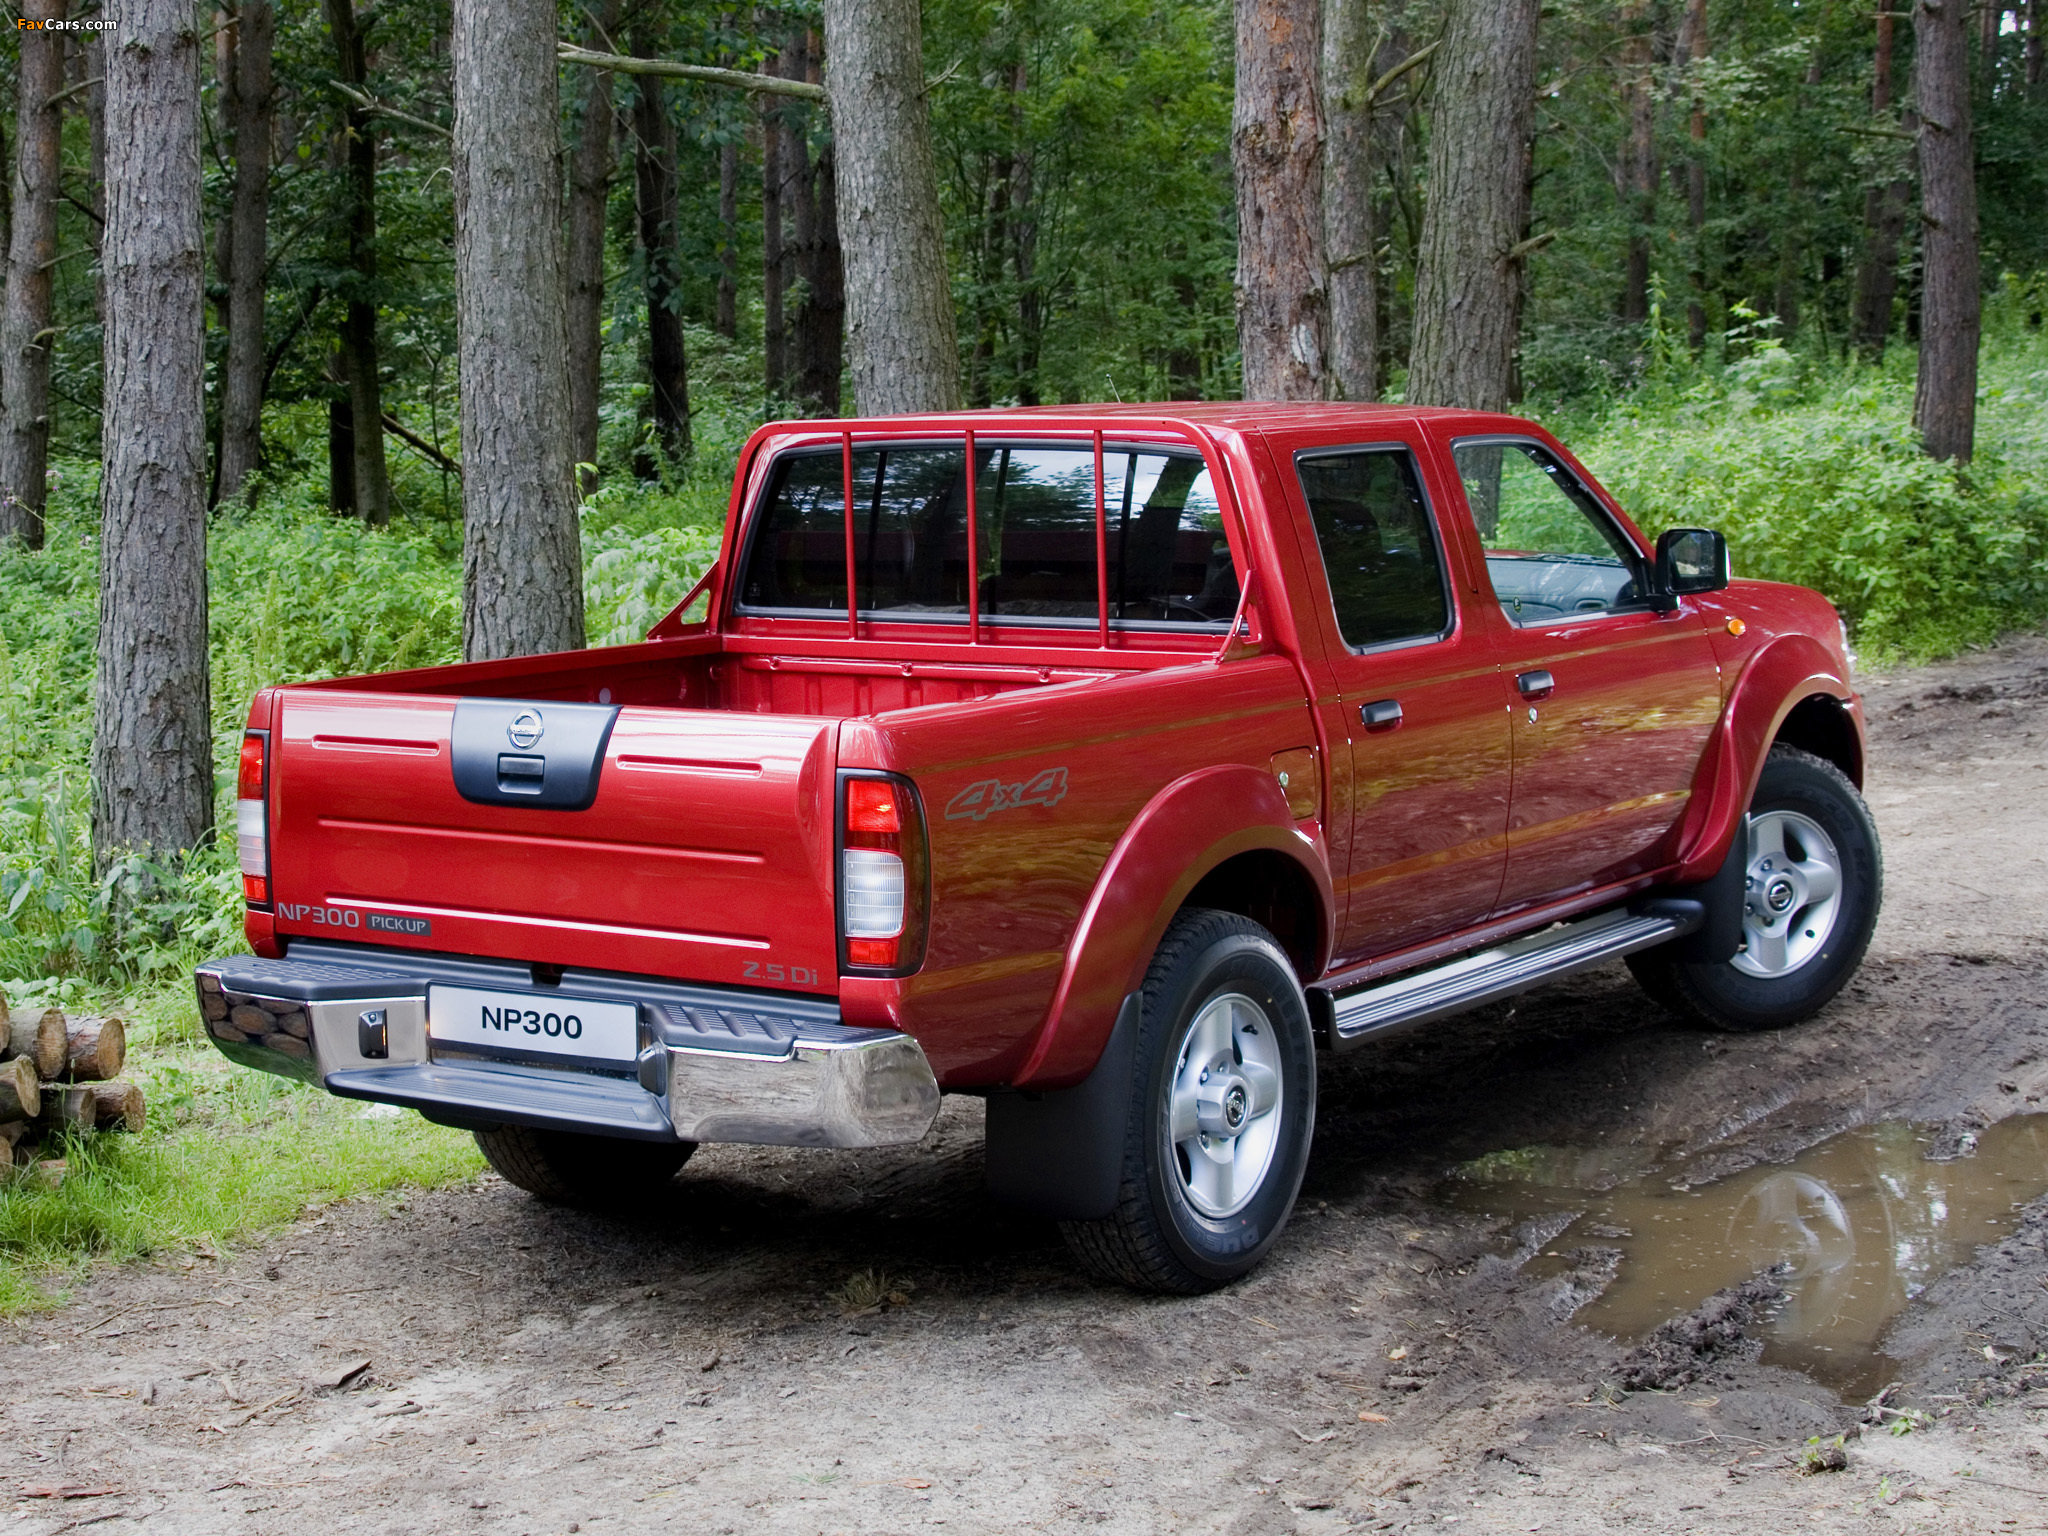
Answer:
(1613, 701)
(1412, 693)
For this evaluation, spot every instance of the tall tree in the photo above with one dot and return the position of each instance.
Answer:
(1884, 212)
(899, 307)
(152, 760)
(1276, 150)
(1945, 393)
(726, 317)
(1350, 237)
(371, 481)
(654, 181)
(26, 336)
(1468, 279)
(1635, 172)
(815, 327)
(2034, 49)
(247, 100)
(774, 270)
(522, 560)
(1692, 53)
(590, 185)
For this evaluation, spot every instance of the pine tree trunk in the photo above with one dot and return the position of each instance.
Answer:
(152, 763)
(590, 185)
(359, 327)
(1884, 217)
(26, 338)
(654, 176)
(1276, 150)
(774, 272)
(820, 322)
(1636, 171)
(1468, 281)
(1348, 226)
(1945, 394)
(1694, 53)
(899, 307)
(247, 101)
(522, 558)
(727, 319)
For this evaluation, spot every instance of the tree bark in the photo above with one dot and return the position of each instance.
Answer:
(2034, 48)
(26, 338)
(21, 1096)
(1350, 236)
(94, 1048)
(359, 329)
(119, 1106)
(774, 274)
(152, 760)
(1945, 393)
(1884, 217)
(654, 177)
(522, 560)
(1468, 282)
(899, 307)
(1636, 170)
(727, 318)
(247, 102)
(816, 329)
(1694, 53)
(1276, 150)
(38, 1034)
(590, 185)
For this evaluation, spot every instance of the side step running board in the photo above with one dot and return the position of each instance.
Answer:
(1506, 969)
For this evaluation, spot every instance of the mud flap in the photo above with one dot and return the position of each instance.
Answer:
(1061, 1154)
(1717, 939)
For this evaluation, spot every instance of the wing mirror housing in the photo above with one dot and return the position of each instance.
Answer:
(1691, 560)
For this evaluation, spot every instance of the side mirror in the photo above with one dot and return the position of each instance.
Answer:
(1692, 560)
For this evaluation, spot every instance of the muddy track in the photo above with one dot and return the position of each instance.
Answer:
(469, 1360)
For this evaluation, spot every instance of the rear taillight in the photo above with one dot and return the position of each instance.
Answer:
(252, 826)
(882, 887)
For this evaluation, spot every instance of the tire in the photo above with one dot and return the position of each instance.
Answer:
(1196, 1212)
(1806, 824)
(591, 1172)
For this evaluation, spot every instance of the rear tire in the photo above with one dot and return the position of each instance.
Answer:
(591, 1172)
(1221, 1114)
(1813, 882)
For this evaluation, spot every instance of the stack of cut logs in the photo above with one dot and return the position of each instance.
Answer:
(61, 1073)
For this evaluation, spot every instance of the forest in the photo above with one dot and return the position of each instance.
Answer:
(300, 296)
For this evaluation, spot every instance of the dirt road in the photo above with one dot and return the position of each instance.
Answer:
(814, 1343)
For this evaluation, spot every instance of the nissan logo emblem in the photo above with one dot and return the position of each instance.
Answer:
(525, 729)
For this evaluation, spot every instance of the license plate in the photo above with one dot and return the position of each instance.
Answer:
(527, 1022)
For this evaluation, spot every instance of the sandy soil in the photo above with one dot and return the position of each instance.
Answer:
(471, 1361)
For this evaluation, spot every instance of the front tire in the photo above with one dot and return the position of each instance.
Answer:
(1813, 882)
(590, 1172)
(1221, 1114)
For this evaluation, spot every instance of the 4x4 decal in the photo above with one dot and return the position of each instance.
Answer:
(979, 801)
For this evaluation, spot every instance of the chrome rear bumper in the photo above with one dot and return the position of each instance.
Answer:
(714, 1064)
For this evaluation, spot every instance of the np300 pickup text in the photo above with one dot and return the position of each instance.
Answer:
(1105, 762)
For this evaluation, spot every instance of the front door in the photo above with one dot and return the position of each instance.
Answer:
(1412, 709)
(1613, 702)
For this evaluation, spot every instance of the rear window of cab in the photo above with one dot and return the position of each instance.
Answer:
(1167, 559)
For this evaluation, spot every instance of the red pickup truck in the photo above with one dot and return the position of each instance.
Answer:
(1105, 762)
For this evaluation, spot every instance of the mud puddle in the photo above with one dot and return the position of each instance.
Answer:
(1860, 1224)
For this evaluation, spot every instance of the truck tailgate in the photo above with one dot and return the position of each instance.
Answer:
(708, 833)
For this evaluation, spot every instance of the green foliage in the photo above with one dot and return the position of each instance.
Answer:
(227, 1154)
(1815, 473)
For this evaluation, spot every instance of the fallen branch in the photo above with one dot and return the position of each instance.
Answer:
(739, 79)
(420, 445)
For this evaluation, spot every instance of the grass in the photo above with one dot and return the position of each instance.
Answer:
(227, 1156)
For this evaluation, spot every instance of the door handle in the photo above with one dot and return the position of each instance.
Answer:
(1380, 714)
(1535, 685)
